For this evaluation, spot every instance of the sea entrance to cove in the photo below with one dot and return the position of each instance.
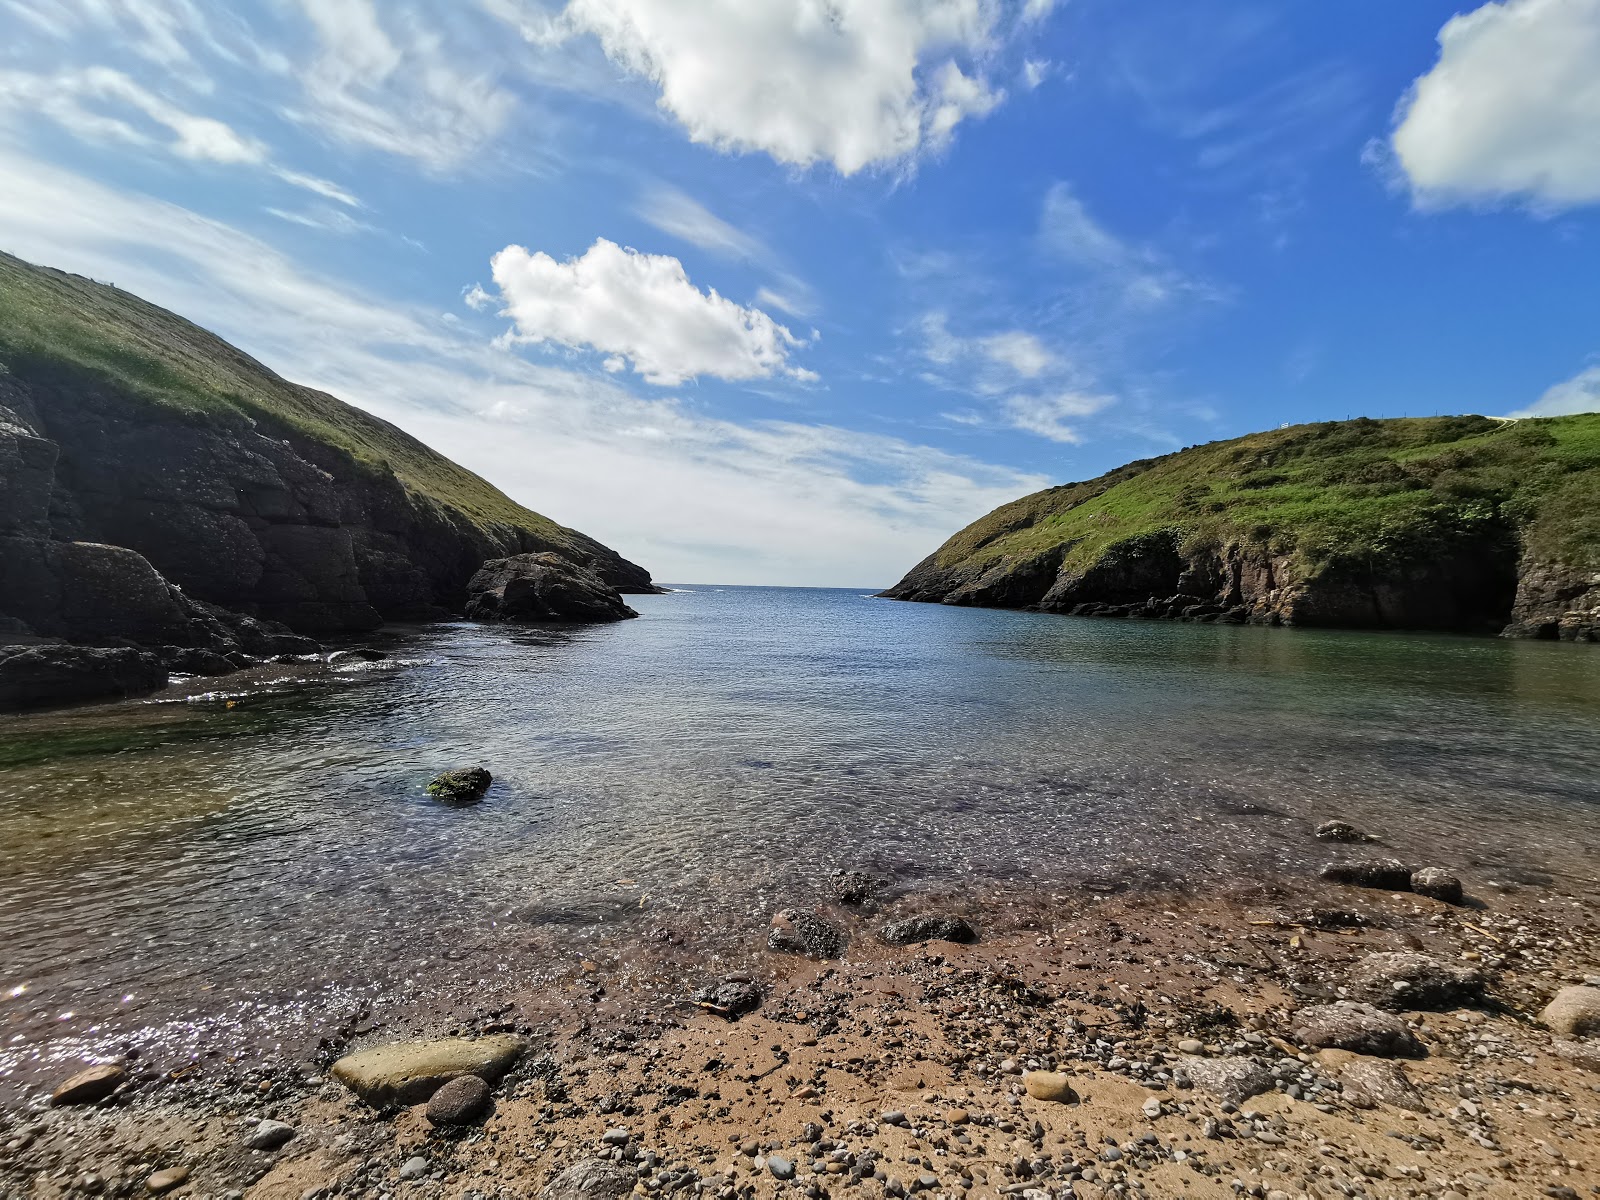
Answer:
(260, 871)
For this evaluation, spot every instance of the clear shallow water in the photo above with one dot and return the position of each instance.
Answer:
(196, 875)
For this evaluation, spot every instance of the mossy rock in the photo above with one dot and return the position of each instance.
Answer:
(461, 786)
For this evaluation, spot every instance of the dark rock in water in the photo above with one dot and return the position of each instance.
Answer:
(853, 887)
(186, 660)
(1389, 874)
(90, 1086)
(1331, 918)
(359, 654)
(1407, 980)
(1437, 884)
(462, 786)
(796, 932)
(1340, 831)
(460, 1102)
(731, 998)
(928, 927)
(1358, 1028)
(592, 1179)
(542, 587)
(50, 674)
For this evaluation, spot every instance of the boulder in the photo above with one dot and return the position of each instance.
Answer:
(1574, 1012)
(460, 1102)
(852, 887)
(1359, 1028)
(90, 1086)
(410, 1072)
(542, 587)
(592, 1179)
(928, 927)
(1052, 1086)
(1390, 874)
(1370, 1081)
(1233, 1080)
(48, 674)
(1407, 980)
(1437, 884)
(797, 932)
(731, 998)
(461, 786)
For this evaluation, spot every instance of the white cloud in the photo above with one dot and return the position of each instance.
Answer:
(1580, 394)
(1139, 277)
(1021, 351)
(856, 83)
(1509, 110)
(772, 502)
(1048, 415)
(641, 307)
(1035, 71)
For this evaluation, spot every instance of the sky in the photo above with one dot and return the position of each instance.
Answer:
(788, 291)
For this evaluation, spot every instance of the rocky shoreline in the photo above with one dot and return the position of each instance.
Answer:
(1288, 1039)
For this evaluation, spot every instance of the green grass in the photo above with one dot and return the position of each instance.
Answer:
(1337, 491)
(51, 321)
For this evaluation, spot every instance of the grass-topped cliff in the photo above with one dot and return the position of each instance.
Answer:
(128, 425)
(1450, 522)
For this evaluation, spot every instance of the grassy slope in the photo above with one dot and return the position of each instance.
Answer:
(1365, 489)
(149, 353)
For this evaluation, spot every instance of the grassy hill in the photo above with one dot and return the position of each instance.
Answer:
(1371, 503)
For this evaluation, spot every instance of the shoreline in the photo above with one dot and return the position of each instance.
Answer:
(1113, 991)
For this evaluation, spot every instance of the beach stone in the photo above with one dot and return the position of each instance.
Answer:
(731, 998)
(1234, 1080)
(356, 654)
(852, 887)
(460, 1102)
(797, 932)
(1437, 884)
(165, 1181)
(1359, 1028)
(1405, 979)
(928, 927)
(1583, 1055)
(414, 1168)
(592, 1179)
(1380, 1081)
(1575, 1011)
(269, 1135)
(1340, 831)
(1389, 874)
(461, 786)
(781, 1168)
(410, 1072)
(1054, 1086)
(90, 1086)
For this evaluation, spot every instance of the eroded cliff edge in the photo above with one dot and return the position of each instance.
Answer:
(1469, 524)
(160, 489)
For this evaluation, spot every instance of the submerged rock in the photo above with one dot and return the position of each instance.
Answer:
(1405, 979)
(796, 932)
(90, 1086)
(592, 1179)
(1437, 884)
(1340, 831)
(1574, 1011)
(1389, 874)
(410, 1072)
(1359, 1028)
(731, 998)
(542, 587)
(47, 674)
(461, 786)
(853, 887)
(928, 927)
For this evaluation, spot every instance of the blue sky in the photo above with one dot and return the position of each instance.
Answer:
(786, 291)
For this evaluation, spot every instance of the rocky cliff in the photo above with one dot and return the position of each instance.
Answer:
(159, 488)
(1463, 523)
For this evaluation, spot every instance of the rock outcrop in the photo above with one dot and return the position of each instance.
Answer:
(542, 587)
(161, 490)
(1468, 524)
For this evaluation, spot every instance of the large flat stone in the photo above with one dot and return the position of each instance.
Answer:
(410, 1072)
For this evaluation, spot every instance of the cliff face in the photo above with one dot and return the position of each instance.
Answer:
(158, 487)
(1464, 524)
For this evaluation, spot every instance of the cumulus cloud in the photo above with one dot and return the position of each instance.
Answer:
(1580, 394)
(731, 502)
(852, 82)
(1509, 110)
(641, 308)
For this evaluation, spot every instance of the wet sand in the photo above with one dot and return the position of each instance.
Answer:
(904, 1070)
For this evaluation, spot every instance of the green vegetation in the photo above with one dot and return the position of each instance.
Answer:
(52, 320)
(1363, 490)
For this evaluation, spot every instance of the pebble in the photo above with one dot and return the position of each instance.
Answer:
(1192, 1046)
(1049, 1085)
(1152, 1108)
(414, 1168)
(781, 1168)
(615, 1137)
(460, 1102)
(91, 1086)
(269, 1135)
(165, 1181)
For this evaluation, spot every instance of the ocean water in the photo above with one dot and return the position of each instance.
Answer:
(253, 866)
